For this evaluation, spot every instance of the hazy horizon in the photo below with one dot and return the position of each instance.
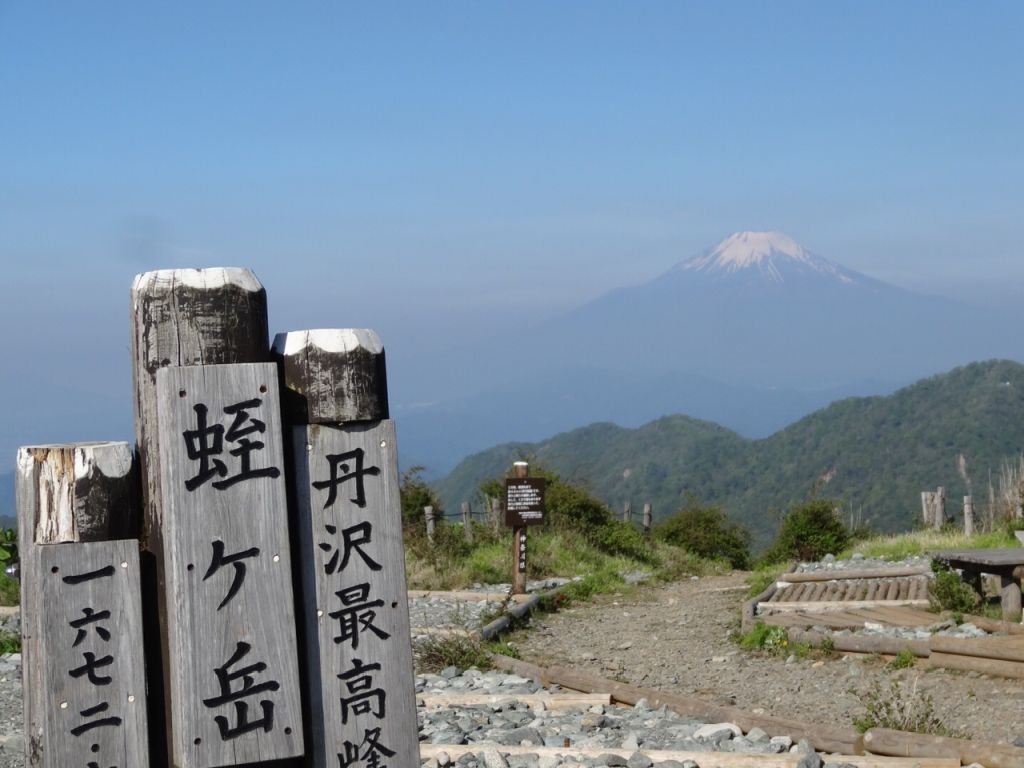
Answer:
(449, 173)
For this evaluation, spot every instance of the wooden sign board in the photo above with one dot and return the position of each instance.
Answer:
(524, 501)
(87, 660)
(355, 604)
(233, 684)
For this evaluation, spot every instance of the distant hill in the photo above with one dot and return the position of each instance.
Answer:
(876, 454)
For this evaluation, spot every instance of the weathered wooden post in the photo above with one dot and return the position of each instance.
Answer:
(939, 513)
(467, 522)
(84, 683)
(627, 513)
(926, 508)
(211, 453)
(428, 514)
(648, 515)
(495, 518)
(968, 516)
(354, 605)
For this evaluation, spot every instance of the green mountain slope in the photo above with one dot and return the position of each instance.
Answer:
(875, 454)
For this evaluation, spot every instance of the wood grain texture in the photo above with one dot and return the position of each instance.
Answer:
(884, 741)
(66, 495)
(227, 568)
(87, 677)
(355, 612)
(332, 376)
(188, 317)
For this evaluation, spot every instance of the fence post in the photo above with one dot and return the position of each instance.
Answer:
(648, 514)
(84, 686)
(926, 508)
(355, 606)
(968, 516)
(627, 512)
(939, 512)
(193, 331)
(467, 522)
(428, 513)
(495, 515)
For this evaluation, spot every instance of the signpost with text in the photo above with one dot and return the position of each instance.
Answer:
(524, 506)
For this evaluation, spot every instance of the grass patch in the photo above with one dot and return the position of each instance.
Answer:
(903, 660)
(434, 654)
(766, 575)
(901, 708)
(10, 642)
(10, 590)
(901, 545)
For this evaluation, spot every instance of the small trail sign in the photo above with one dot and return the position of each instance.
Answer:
(524, 501)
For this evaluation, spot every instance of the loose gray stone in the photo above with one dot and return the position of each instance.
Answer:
(494, 759)
(639, 760)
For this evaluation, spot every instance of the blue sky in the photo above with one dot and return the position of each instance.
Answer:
(444, 170)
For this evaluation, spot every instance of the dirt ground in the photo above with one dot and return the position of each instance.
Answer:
(676, 638)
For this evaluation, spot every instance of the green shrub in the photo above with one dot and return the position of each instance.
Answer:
(809, 532)
(708, 532)
(619, 538)
(765, 637)
(948, 592)
(903, 660)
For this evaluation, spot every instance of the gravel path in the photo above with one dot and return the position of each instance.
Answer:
(675, 638)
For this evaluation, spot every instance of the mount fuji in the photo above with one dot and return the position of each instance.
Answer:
(753, 334)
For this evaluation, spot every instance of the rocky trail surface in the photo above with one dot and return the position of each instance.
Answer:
(673, 638)
(676, 638)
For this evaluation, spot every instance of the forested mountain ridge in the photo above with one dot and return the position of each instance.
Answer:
(874, 454)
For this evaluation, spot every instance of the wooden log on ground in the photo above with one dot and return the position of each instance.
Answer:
(749, 610)
(981, 647)
(534, 700)
(840, 605)
(824, 738)
(883, 741)
(84, 686)
(994, 625)
(890, 646)
(354, 604)
(469, 596)
(864, 573)
(997, 667)
(704, 759)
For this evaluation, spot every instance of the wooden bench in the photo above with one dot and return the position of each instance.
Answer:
(1007, 564)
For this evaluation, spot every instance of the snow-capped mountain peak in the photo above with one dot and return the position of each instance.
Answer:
(771, 253)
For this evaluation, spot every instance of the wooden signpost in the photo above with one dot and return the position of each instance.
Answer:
(208, 505)
(524, 506)
(354, 607)
(232, 651)
(83, 677)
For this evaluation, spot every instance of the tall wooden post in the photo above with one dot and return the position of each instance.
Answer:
(648, 515)
(467, 522)
(926, 509)
(428, 514)
(627, 512)
(520, 469)
(939, 518)
(187, 318)
(84, 687)
(495, 515)
(968, 516)
(355, 610)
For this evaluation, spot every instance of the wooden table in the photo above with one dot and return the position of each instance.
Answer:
(1007, 564)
